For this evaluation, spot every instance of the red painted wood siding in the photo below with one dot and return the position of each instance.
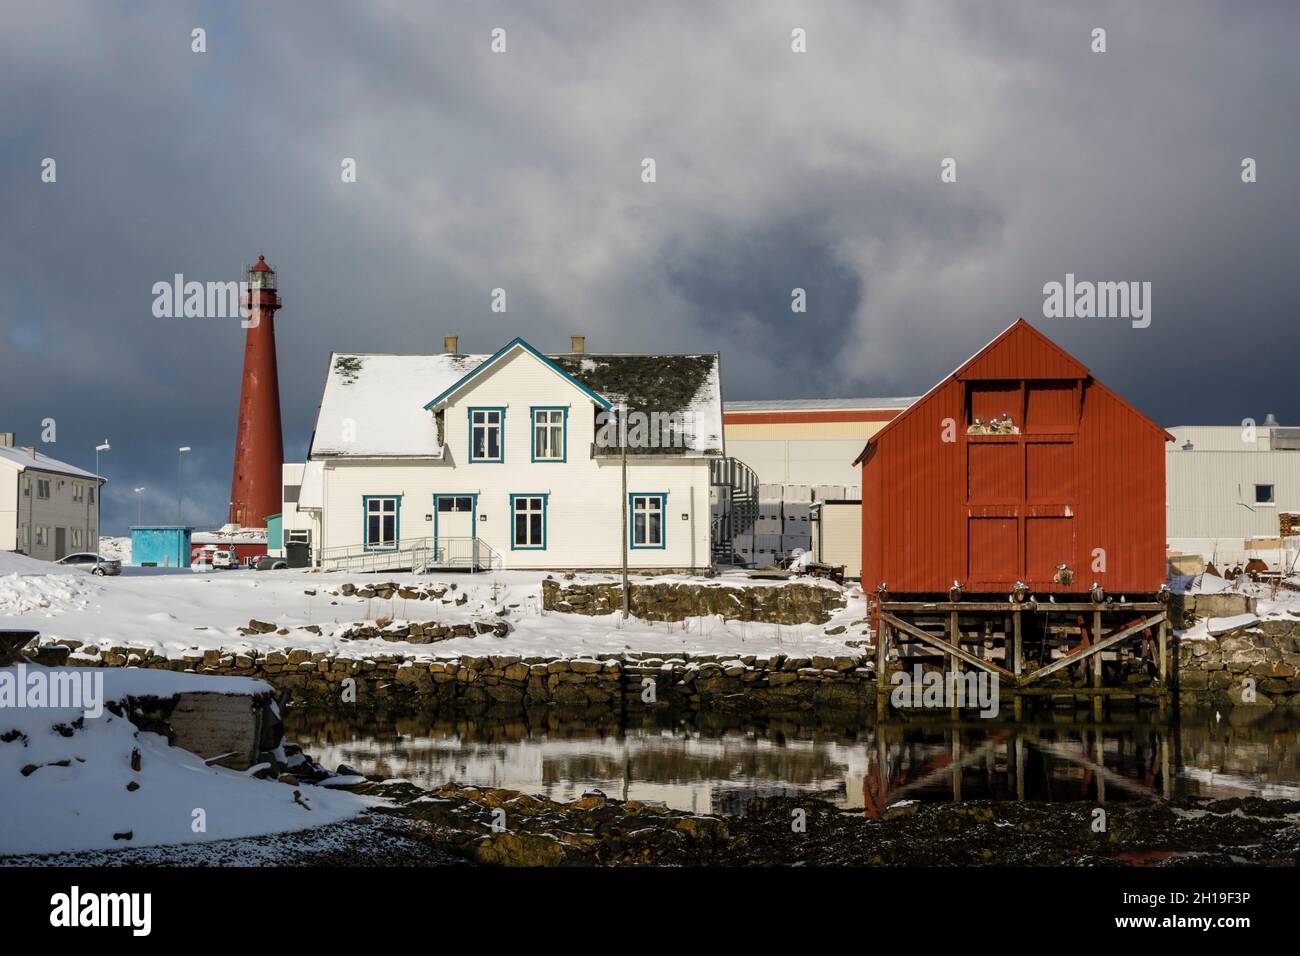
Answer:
(1082, 484)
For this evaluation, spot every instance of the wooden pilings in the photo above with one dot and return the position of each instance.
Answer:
(941, 627)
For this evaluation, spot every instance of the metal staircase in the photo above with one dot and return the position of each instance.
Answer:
(738, 490)
(416, 555)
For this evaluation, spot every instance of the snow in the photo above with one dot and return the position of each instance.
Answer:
(29, 586)
(119, 548)
(374, 404)
(1221, 625)
(82, 805)
(177, 613)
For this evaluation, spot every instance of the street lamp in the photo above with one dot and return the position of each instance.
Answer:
(139, 504)
(180, 487)
(99, 496)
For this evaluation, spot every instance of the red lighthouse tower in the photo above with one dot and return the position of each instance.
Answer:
(259, 445)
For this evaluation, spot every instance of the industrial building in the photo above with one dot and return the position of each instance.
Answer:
(795, 454)
(1233, 492)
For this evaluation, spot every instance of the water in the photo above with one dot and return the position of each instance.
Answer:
(713, 765)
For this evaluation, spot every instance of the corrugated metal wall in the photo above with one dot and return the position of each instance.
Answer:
(1080, 484)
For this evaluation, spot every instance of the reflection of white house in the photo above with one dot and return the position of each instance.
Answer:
(48, 508)
(1227, 488)
(512, 460)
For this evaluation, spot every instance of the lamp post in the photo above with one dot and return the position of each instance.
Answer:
(622, 443)
(180, 487)
(139, 505)
(99, 496)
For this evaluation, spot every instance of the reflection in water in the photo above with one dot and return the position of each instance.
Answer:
(710, 764)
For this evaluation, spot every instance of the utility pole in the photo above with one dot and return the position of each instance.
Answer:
(622, 444)
(180, 486)
(99, 497)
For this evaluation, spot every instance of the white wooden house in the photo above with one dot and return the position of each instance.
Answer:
(512, 460)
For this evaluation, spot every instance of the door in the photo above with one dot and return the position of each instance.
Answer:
(454, 530)
(60, 543)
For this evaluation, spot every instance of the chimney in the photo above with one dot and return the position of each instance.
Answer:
(7, 439)
(577, 344)
(1270, 421)
(451, 344)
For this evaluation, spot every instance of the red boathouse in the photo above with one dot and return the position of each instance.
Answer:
(1019, 468)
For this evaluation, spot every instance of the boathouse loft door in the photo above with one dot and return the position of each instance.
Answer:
(1020, 444)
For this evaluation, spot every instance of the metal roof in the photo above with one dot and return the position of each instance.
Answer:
(816, 404)
(26, 459)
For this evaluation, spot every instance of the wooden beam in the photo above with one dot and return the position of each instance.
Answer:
(943, 645)
(1097, 647)
(937, 607)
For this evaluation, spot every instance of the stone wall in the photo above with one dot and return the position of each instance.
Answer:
(771, 684)
(1268, 652)
(786, 604)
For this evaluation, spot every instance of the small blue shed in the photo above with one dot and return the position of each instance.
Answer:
(160, 545)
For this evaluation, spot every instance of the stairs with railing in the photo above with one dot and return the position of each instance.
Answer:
(416, 555)
(738, 486)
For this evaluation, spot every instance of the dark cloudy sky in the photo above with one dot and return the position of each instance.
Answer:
(522, 171)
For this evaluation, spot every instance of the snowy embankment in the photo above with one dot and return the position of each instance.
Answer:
(1272, 603)
(177, 613)
(72, 782)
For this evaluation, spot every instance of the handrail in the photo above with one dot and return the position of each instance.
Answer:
(415, 554)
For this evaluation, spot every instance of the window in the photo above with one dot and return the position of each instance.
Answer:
(42, 488)
(92, 495)
(647, 520)
(42, 536)
(299, 537)
(381, 522)
(529, 513)
(27, 488)
(76, 537)
(78, 492)
(548, 433)
(485, 434)
(457, 503)
(1264, 495)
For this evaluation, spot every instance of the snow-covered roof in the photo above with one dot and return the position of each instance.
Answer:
(311, 495)
(23, 458)
(373, 405)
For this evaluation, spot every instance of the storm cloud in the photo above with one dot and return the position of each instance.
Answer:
(522, 170)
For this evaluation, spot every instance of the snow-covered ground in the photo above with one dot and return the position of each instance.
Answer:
(1272, 603)
(119, 548)
(67, 783)
(176, 612)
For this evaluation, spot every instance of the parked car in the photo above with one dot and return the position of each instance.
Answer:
(94, 563)
(266, 562)
(223, 559)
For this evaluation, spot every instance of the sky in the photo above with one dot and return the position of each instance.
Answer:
(523, 170)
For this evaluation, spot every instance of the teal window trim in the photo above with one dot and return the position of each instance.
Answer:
(546, 504)
(501, 435)
(564, 432)
(663, 520)
(473, 511)
(365, 521)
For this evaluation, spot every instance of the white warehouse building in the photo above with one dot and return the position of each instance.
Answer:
(511, 460)
(1227, 489)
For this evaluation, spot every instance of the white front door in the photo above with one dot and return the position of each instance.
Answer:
(455, 530)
